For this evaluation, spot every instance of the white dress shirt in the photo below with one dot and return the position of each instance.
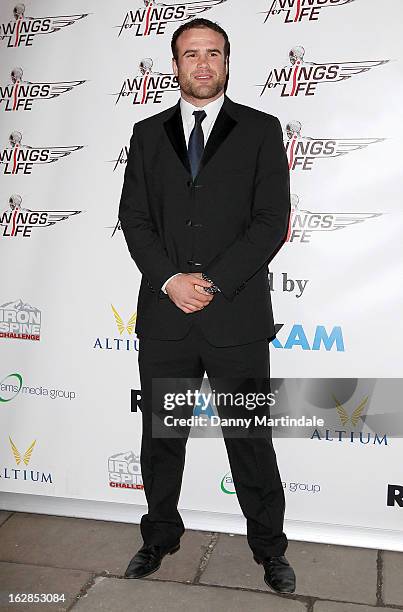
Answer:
(211, 109)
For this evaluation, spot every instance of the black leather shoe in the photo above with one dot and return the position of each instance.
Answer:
(147, 560)
(278, 574)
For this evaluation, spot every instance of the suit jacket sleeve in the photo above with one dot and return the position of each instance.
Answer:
(138, 227)
(232, 268)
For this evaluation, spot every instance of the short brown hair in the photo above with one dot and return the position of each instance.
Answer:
(200, 23)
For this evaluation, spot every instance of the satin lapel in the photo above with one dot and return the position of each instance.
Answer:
(174, 129)
(223, 126)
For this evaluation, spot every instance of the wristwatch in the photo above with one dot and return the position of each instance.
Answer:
(213, 288)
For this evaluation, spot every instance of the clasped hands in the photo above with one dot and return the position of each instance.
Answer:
(187, 293)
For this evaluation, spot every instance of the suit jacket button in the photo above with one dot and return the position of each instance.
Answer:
(189, 183)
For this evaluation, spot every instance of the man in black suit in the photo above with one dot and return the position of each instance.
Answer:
(204, 207)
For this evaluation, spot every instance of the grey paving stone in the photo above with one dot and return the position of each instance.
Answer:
(332, 606)
(322, 570)
(58, 541)
(335, 572)
(183, 565)
(393, 578)
(4, 514)
(231, 564)
(122, 595)
(91, 545)
(19, 578)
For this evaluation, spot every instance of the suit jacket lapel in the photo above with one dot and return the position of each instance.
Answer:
(223, 126)
(174, 129)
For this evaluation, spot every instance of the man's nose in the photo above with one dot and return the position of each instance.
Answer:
(203, 60)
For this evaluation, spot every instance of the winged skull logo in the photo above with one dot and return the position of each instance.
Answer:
(26, 457)
(345, 418)
(294, 11)
(19, 221)
(192, 8)
(154, 15)
(121, 325)
(20, 92)
(22, 30)
(303, 150)
(20, 157)
(302, 77)
(304, 222)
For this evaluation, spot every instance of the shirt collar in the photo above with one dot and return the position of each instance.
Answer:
(211, 109)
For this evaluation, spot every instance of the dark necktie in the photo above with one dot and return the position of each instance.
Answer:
(196, 142)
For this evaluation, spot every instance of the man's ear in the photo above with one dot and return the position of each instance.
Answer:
(174, 67)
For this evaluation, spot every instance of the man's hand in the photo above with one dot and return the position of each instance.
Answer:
(185, 290)
(198, 287)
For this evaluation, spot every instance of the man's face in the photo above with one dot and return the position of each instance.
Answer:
(201, 68)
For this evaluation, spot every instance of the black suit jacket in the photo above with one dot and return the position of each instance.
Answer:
(228, 222)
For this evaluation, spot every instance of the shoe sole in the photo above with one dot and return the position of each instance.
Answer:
(170, 552)
(259, 562)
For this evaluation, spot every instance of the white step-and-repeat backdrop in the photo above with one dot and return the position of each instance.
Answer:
(74, 77)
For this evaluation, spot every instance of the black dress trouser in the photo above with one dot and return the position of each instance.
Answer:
(253, 461)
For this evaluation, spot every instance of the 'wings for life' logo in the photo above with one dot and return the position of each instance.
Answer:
(303, 224)
(22, 30)
(20, 94)
(115, 228)
(154, 16)
(300, 77)
(18, 221)
(303, 151)
(294, 11)
(19, 320)
(149, 86)
(121, 159)
(19, 158)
